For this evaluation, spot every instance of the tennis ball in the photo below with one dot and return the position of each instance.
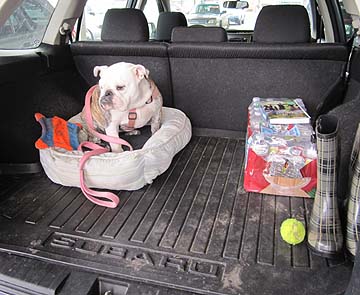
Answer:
(292, 231)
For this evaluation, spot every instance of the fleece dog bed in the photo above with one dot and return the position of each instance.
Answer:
(129, 170)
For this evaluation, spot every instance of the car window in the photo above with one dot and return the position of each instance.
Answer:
(230, 4)
(151, 12)
(26, 26)
(93, 17)
(231, 15)
(349, 30)
(207, 9)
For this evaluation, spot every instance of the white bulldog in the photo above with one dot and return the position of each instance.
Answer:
(126, 99)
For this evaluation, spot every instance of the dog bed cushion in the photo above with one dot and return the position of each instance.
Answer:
(129, 170)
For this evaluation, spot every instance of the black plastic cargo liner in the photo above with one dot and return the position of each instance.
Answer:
(194, 229)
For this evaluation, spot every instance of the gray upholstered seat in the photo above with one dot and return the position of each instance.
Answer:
(282, 24)
(280, 63)
(198, 34)
(125, 25)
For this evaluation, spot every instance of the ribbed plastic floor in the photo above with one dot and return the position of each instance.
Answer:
(193, 229)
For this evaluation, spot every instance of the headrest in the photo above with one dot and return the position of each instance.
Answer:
(282, 24)
(199, 34)
(166, 22)
(126, 24)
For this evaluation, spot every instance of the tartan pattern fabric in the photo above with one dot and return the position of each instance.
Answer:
(325, 232)
(353, 206)
(355, 151)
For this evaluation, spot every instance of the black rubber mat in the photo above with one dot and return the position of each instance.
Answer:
(193, 229)
(27, 276)
(138, 141)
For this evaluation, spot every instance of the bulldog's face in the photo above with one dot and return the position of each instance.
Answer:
(119, 84)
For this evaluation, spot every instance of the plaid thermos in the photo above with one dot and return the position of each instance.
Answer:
(324, 233)
(353, 206)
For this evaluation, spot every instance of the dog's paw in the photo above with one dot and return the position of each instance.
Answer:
(116, 148)
(155, 127)
(156, 122)
(133, 132)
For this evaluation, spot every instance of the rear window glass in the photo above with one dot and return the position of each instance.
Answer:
(25, 27)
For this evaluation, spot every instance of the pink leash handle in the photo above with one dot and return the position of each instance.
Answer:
(92, 195)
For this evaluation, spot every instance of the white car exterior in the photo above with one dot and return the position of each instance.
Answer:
(233, 13)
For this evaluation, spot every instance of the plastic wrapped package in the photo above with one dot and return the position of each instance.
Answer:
(280, 159)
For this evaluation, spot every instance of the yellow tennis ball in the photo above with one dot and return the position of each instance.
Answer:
(292, 231)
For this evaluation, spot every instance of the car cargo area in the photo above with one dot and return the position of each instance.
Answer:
(193, 229)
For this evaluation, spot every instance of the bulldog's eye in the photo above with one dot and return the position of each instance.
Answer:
(119, 88)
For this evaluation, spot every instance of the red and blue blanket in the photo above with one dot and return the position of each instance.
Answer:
(57, 132)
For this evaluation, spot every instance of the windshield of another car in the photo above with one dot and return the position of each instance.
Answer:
(232, 4)
(207, 9)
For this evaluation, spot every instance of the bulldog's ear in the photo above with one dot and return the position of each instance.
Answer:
(98, 69)
(141, 72)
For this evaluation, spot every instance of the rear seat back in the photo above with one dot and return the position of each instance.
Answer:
(214, 83)
(125, 37)
(198, 34)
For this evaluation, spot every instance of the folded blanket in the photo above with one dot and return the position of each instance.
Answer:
(56, 132)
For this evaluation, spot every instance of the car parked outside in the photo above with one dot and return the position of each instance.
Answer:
(233, 13)
(205, 15)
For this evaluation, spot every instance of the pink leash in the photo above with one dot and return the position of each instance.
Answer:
(92, 195)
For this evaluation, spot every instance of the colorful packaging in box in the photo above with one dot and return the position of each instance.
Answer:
(280, 159)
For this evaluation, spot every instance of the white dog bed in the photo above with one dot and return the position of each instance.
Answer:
(129, 170)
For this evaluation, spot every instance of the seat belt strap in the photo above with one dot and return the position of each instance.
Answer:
(335, 94)
(332, 97)
(351, 43)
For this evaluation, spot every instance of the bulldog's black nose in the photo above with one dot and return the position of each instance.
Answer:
(106, 100)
